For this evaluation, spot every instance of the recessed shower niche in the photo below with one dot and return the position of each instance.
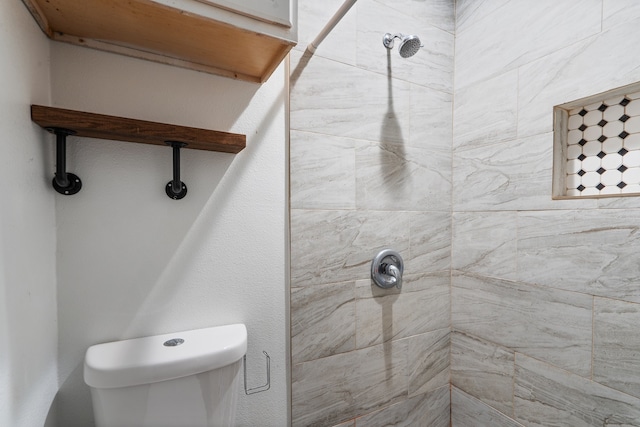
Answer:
(597, 145)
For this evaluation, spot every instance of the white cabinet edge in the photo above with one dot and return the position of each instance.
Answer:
(206, 9)
(272, 11)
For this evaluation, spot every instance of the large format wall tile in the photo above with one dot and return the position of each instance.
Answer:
(514, 175)
(585, 251)
(619, 203)
(431, 117)
(337, 388)
(332, 98)
(616, 12)
(549, 324)
(573, 73)
(370, 168)
(322, 172)
(486, 113)
(439, 13)
(483, 370)
(397, 177)
(322, 321)
(340, 43)
(467, 411)
(470, 12)
(433, 64)
(401, 315)
(433, 282)
(617, 345)
(431, 409)
(428, 361)
(485, 243)
(430, 244)
(519, 32)
(338, 246)
(323, 391)
(549, 396)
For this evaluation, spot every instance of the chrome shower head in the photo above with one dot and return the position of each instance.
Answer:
(409, 45)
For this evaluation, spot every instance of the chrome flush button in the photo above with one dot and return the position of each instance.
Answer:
(173, 342)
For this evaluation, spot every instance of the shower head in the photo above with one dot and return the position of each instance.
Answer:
(409, 45)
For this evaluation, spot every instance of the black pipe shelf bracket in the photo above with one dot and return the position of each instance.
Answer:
(62, 123)
(175, 188)
(64, 182)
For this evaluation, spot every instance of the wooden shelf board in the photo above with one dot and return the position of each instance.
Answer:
(149, 30)
(100, 126)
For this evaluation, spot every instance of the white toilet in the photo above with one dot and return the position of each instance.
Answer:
(184, 379)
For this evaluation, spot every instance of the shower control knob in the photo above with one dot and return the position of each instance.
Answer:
(387, 268)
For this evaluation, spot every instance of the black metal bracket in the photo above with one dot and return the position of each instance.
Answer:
(175, 188)
(64, 182)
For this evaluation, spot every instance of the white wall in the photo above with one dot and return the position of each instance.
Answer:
(28, 331)
(131, 261)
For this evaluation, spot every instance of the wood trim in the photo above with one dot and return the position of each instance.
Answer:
(39, 16)
(100, 126)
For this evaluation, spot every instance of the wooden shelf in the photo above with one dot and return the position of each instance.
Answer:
(185, 33)
(92, 125)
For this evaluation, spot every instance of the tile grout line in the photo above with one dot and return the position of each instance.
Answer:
(513, 386)
(451, 206)
(593, 335)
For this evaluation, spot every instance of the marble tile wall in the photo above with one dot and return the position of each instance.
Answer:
(550, 324)
(484, 370)
(545, 293)
(370, 168)
(387, 152)
(429, 409)
(467, 411)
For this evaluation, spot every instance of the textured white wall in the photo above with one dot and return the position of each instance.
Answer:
(131, 261)
(28, 330)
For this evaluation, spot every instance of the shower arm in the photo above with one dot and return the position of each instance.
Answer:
(330, 25)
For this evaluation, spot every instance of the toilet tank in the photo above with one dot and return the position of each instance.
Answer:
(182, 379)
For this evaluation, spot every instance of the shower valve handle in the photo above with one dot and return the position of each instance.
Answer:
(387, 268)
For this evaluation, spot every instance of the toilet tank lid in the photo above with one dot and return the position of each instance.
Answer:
(163, 357)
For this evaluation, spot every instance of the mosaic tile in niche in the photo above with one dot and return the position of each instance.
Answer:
(602, 144)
